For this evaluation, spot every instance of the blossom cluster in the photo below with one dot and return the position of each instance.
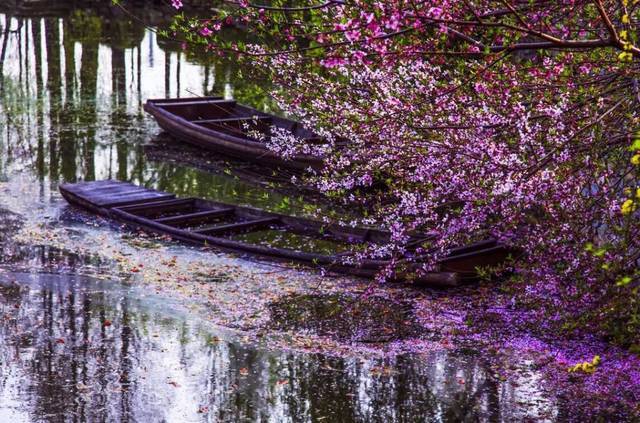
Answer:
(511, 120)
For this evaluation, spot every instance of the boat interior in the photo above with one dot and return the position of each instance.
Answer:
(252, 226)
(194, 218)
(231, 118)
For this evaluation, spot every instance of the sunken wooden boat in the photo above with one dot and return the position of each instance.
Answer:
(265, 234)
(229, 128)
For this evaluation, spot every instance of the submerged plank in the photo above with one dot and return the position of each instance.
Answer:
(233, 227)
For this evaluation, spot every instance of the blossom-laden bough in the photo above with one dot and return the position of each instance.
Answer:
(515, 119)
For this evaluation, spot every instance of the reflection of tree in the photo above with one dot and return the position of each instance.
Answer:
(88, 88)
(103, 355)
(86, 354)
(83, 352)
(122, 34)
(118, 110)
(248, 86)
(253, 385)
(66, 324)
(39, 121)
(86, 28)
(3, 49)
(127, 385)
(54, 84)
(167, 74)
(68, 135)
(65, 113)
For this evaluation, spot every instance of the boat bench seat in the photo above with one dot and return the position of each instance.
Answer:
(197, 217)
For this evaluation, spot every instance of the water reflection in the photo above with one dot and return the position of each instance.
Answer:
(73, 85)
(369, 319)
(75, 348)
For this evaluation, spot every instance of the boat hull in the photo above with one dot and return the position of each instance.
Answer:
(134, 205)
(222, 143)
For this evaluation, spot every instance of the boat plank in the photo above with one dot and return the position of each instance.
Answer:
(202, 216)
(233, 227)
(196, 102)
(108, 194)
(110, 202)
(186, 99)
(158, 204)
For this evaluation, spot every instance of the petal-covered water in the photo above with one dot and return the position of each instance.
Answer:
(79, 348)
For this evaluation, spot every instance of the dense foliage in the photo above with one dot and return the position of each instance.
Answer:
(517, 119)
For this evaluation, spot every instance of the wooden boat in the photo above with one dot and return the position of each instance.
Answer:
(226, 127)
(243, 229)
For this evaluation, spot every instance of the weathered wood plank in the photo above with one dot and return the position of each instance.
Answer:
(262, 119)
(202, 216)
(107, 194)
(134, 199)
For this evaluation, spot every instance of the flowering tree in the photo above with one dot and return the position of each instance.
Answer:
(514, 119)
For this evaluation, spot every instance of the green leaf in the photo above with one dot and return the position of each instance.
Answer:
(600, 252)
(626, 280)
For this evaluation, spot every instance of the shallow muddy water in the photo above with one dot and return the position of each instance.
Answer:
(90, 328)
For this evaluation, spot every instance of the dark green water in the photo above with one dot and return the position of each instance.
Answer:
(73, 78)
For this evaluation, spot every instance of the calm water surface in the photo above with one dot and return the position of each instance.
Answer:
(73, 87)
(76, 349)
(73, 79)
